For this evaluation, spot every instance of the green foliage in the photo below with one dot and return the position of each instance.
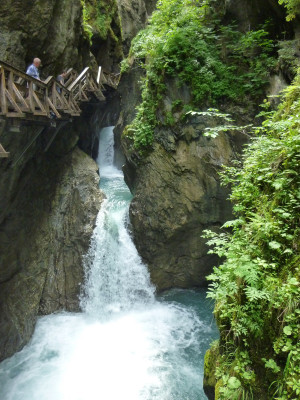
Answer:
(292, 6)
(183, 44)
(124, 66)
(213, 131)
(97, 17)
(87, 28)
(257, 288)
(287, 57)
(251, 51)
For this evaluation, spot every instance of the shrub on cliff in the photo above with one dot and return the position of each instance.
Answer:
(257, 288)
(292, 6)
(184, 41)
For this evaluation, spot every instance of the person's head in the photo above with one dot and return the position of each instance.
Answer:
(37, 62)
(63, 74)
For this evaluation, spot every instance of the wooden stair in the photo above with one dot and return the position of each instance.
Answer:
(26, 98)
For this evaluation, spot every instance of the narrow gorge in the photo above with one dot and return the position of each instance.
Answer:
(149, 219)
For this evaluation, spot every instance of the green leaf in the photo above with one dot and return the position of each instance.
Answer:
(274, 245)
(233, 383)
(287, 330)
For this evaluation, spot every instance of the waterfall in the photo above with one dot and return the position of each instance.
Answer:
(127, 344)
(116, 278)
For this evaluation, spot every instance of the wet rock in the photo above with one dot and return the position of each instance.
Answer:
(133, 16)
(250, 14)
(177, 194)
(50, 30)
(43, 238)
(210, 365)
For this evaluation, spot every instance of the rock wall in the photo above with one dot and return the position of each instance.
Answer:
(44, 238)
(176, 186)
(177, 194)
(250, 14)
(45, 227)
(124, 19)
(133, 15)
(48, 29)
(49, 200)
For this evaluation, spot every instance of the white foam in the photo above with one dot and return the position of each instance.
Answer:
(126, 345)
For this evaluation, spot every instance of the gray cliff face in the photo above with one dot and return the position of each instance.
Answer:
(45, 231)
(176, 186)
(133, 15)
(48, 29)
(177, 194)
(249, 14)
(49, 200)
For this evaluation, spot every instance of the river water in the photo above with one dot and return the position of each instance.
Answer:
(128, 343)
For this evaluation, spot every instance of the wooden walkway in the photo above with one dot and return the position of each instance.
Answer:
(23, 97)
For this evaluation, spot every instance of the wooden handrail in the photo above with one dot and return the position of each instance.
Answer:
(22, 94)
(22, 74)
(78, 79)
(99, 75)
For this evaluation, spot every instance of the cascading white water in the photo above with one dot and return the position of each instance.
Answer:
(116, 278)
(127, 344)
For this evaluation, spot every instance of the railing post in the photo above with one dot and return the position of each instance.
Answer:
(99, 75)
(54, 94)
(10, 85)
(46, 104)
(30, 96)
(2, 92)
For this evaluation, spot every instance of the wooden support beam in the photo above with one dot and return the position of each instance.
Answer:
(78, 79)
(99, 76)
(3, 153)
(13, 103)
(39, 130)
(40, 105)
(57, 129)
(53, 108)
(24, 97)
(3, 101)
(20, 97)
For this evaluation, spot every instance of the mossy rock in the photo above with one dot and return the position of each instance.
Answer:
(219, 384)
(210, 364)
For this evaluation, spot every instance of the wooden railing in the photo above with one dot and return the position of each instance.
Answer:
(22, 96)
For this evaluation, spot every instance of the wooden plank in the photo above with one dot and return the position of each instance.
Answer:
(15, 84)
(22, 74)
(46, 104)
(30, 97)
(79, 79)
(12, 114)
(38, 132)
(37, 100)
(70, 76)
(99, 75)
(58, 128)
(53, 108)
(2, 92)
(73, 105)
(48, 80)
(10, 82)
(19, 96)
(64, 104)
(13, 103)
(3, 153)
